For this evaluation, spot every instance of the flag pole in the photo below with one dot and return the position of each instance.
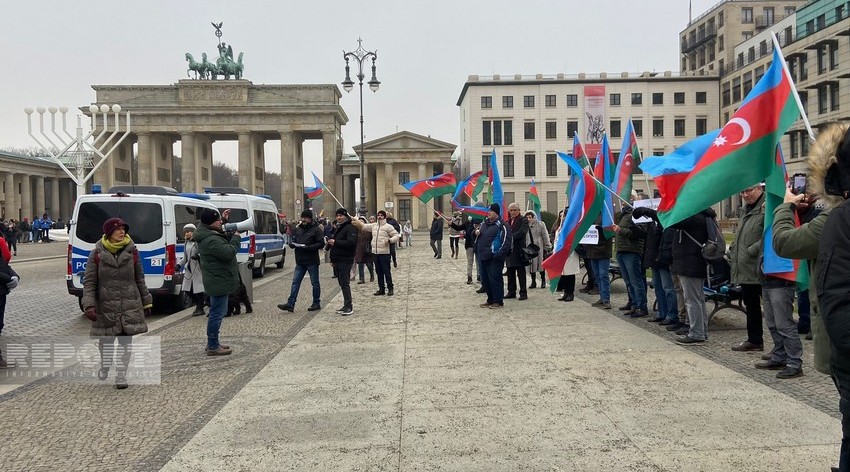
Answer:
(332, 195)
(793, 87)
(606, 188)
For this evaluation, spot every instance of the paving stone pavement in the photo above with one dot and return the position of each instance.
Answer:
(426, 380)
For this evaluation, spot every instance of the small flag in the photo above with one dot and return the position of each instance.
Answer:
(436, 186)
(497, 195)
(629, 158)
(534, 198)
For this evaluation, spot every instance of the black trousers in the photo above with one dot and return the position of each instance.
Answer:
(842, 383)
(515, 273)
(344, 279)
(591, 279)
(751, 295)
(383, 271)
(569, 284)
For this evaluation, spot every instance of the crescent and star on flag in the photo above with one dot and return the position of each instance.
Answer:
(722, 140)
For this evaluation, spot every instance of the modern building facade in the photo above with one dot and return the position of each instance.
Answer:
(526, 119)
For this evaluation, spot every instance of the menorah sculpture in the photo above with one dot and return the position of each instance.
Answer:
(79, 156)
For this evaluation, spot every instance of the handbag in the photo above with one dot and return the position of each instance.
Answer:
(532, 250)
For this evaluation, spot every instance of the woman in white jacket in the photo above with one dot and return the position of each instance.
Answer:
(538, 235)
(383, 234)
(568, 275)
(193, 281)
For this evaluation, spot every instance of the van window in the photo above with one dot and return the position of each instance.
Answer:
(236, 214)
(183, 215)
(144, 219)
(265, 222)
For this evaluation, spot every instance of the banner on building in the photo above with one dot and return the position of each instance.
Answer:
(594, 119)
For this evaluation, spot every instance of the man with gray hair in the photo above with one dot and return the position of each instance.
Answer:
(517, 261)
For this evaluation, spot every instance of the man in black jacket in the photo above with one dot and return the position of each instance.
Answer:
(342, 246)
(469, 238)
(690, 266)
(516, 261)
(307, 239)
(437, 235)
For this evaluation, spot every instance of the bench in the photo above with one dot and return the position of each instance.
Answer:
(614, 272)
(724, 296)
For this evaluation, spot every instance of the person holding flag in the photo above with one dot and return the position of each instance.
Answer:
(517, 260)
(746, 254)
(493, 246)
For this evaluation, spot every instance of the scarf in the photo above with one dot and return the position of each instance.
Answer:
(115, 247)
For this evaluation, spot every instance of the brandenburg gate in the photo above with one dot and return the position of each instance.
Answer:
(200, 112)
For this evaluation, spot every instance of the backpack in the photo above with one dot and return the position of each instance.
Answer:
(715, 246)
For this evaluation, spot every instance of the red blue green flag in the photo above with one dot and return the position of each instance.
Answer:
(534, 198)
(720, 164)
(317, 191)
(774, 186)
(436, 186)
(629, 158)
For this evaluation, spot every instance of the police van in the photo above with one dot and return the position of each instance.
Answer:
(156, 216)
(263, 245)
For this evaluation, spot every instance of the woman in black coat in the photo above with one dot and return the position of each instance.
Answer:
(691, 268)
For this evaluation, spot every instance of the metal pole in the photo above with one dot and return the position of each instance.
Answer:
(362, 150)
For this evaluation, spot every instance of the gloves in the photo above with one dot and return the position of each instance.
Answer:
(91, 313)
(12, 283)
(292, 246)
(147, 312)
(644, 212)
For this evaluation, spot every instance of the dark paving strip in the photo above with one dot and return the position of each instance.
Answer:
(813, 389)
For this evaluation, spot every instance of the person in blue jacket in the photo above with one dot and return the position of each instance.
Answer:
(493, 246)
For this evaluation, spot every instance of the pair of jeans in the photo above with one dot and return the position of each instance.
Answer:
(515, 273)
(298, 276)
(106, 347)
(631, 267)
(591, 277)
(492, 279)
(383, 271)
(454, 244)
(344, 282)
(778, 314)
(665, 293)
(603, 283)
(751, 295)
(218, 308)
(360, 272)
(695, 304)
(437, 246)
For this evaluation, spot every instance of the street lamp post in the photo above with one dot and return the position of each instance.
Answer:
(360, 55)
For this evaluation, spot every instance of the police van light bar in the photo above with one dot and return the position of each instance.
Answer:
(196, 196)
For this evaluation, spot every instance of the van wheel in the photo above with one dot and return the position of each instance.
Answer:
(260, 272)
(279, 264)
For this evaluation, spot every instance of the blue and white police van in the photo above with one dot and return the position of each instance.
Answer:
(263, 245)
(156, 216)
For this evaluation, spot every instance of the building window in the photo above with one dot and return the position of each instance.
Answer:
(497, 132)
(768, 16)
(759, 73)
(403, 177)
(658, 98)
(572, 100)
(822, 100)
(658, 128)
(789, 36)
(833, 97)
(726, 95)
(508, 135)
(528, 101)
(485, 163)
(804, 147)
(552, 202)
(790, 10)
(736, 90)
(792, 143)
(572, 128)
(550, 100)
(637, 99)
(679, 127)
(751, 54)
(711, 54)
(839, 13)
(551, 130)
(804, 70)
(702, 126)
(529, 165)
(820, 22)
(403, 209)
(746, 35)
(551, 165)
(486, 102)
(486, 141)
(638, 125)
(507, 102)
(508, 164)
(746, 15)
(833, 57)
(720, 43)
(762, 48)
(822, 59)
(614, 129)
(679, 98)
(509, 198)
(748, 83)
(701, 97)
(614, 99)
(528, 130)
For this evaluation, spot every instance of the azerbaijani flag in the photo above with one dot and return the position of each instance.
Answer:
(585, 204)
(469, 184)
(580, 156)
(534, 198)
(604, 171)
(477, 212)
(497, 195)
(473, 185)
(629, 158)
(313, 192)
(774, 187)
(726, 161)
(436, 186)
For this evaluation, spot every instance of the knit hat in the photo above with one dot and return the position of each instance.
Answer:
(209, 216)
(382, 212)
(307, 214)
(189, 227)
(342, 211)
(112, 224)
(494, 207)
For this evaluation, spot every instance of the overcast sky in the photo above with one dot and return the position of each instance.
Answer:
(53, 51)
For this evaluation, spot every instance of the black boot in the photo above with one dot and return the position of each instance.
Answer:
(542, 279)
(533, 280)
(468, 280)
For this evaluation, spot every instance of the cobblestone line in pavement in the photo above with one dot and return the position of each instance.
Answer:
(52, 424)
(728, 328)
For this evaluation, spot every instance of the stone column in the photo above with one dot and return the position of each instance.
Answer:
(26, 197)
(55, 208)
(258, 161)
(287, 174)
(9, 196)
(245, 166)
(424, 221)
(39, 195)
(388, 189)
(329, 166)
(189, 178)
(145, 160)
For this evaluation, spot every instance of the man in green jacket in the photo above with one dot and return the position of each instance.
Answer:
(221, 275)
(746, 251)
